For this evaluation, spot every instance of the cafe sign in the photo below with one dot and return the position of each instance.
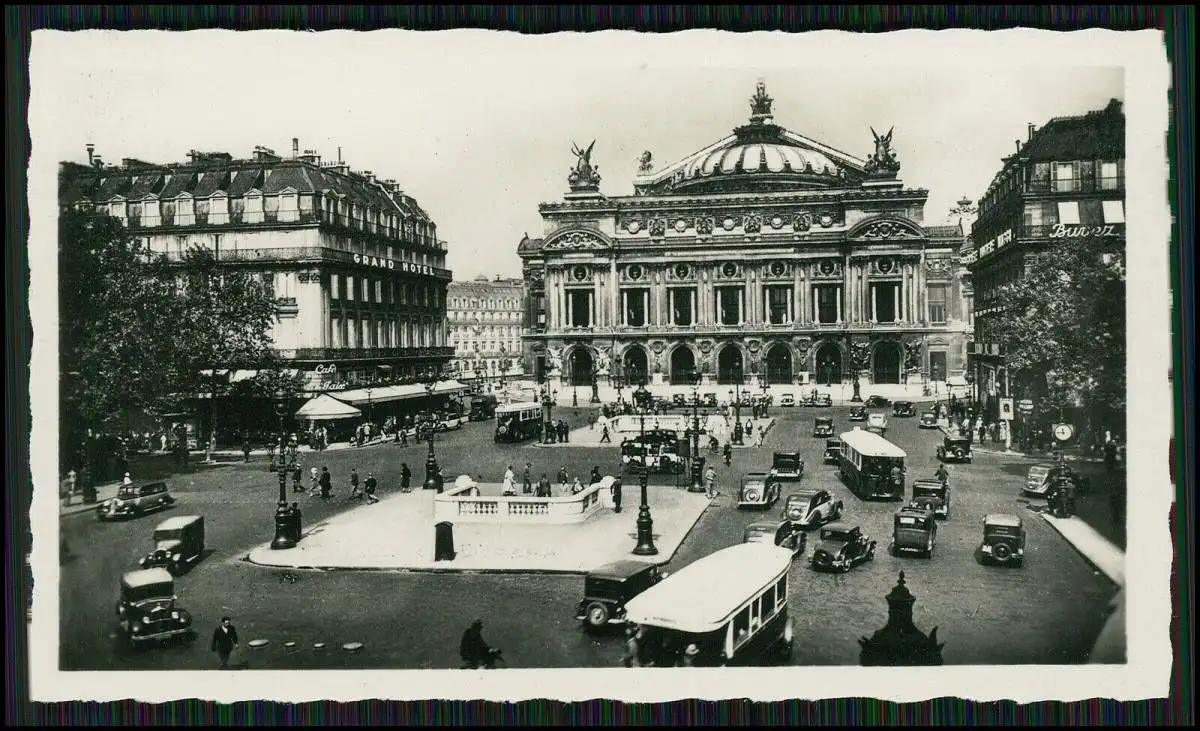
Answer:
(328, 369)
(1063, 231)
(392, 265)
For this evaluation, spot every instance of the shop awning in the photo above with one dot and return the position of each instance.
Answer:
(384, 394)
(326, 407)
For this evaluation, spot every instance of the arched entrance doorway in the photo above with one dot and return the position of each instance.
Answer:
(779, 364)
(729, 365)
(829, 364)
(885, 367)
(683, 363)
(633, 366)
(582, 366)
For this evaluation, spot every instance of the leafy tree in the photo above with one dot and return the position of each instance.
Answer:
(1064, 324)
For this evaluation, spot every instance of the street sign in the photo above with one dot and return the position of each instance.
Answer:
(1025, 403)
(1006, 409)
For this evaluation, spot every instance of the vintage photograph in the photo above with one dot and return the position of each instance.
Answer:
(477, 354)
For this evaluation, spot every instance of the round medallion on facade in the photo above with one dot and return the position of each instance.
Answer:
(778, 268)
(682, 271)
(728, 224)
(885, 266)
(681, 225)
(826, 220)
(633, 226)
(777, 222)
(634, 271)
(580, 273)
(828, 267)
(729, 269)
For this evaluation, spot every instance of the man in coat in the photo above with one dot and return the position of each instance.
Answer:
(224, 640)
(326, 483)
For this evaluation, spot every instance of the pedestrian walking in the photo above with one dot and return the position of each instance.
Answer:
(630, 657)
(245, 447)
(576, 487)
(326, 483)
(510, 487)
(616, 496)
(543, 487)
(224, 640)
(355, 493)
(314, 475)
(403, 437)
(728, 453)
(297, 477)
(405, 477)
(527, 479)
(710, 483)
(596, 476)
(126, 480)
(370, 488)
(604, 437)
(563, 478)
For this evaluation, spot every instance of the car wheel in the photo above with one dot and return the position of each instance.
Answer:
(871, 551)
(597, 615)
(1001, 552)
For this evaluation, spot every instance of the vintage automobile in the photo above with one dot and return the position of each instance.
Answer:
(823, 427)
(449, 421)
(914, 530)
(759, 490)
(875, 402)
(135, 500)
(146, 611)
(178, 544)
(904, 409)
(679, 399)
(877, 423)
(787, 466)
(655, 455)
(818, 399)
(708, 400)
(810, 508)
(928, 420)
(955, 449)
(1003, 540)
(833, 450)
(788, 400)
(1041, 478)
(932, 494)
(607, 588)
(858, 413)
(785, 535)
(842, 547)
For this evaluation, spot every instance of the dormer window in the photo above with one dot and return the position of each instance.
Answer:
(185, 210)
(218, 208)
(254, 207)
(289, 209)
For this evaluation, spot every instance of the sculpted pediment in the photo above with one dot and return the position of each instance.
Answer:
(886, 228)
(577, 241)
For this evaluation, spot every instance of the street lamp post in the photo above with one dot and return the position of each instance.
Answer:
(737, 407)
(433, 480)
(287, 519)
(697, 465)
(645, 523)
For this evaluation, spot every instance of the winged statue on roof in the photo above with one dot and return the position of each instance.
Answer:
(584, 174)
(883, 160)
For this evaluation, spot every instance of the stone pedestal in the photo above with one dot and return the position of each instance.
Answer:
(706, 379)
(657, 379)
(754, 382)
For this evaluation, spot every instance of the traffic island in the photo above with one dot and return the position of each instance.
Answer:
(491, 533)
(628, 427)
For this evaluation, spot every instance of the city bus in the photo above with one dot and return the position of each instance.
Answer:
(745, 623)
(871, 466)
(518, 422)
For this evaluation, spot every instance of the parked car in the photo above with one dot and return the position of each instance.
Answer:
(1039, 482)
(904, 409)
(823, 427)
(132, 501)
(858, 413)
(606, 590)
(787, 466)
(709, 400)
(833, 450)
(788, 400)
(178, 544)
(928, 420)
(679, 399)
(784, 534)
(758, 490)
(955, 449)
(1003, 540)
(146, 610)
(842, 547)
(810, 508)
(875, 402)
(914, 529)
(877, 423)
(933, 495)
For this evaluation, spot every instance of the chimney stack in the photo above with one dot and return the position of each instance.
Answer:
(98, 161)
(1018, 143)
(1032, 129)
(91, 149)
(339, 154)
(295, 147)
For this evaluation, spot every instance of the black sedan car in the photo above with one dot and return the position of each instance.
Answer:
(875, 402)
(904, 409)
(858, 413)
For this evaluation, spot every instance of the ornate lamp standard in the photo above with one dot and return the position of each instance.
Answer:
(737, 406)
(287, 519)
(645, 523)
(697, 463)
(433, 480)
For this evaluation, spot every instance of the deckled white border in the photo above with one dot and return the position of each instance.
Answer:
(1150, 406)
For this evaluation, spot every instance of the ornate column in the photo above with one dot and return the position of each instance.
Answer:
(847, 298)
(800, 313)
(613, 288)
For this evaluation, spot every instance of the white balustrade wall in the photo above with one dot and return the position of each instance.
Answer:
(462, 505)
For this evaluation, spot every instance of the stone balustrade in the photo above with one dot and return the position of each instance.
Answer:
(463, 504)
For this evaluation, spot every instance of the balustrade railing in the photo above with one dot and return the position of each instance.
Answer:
(463, 504)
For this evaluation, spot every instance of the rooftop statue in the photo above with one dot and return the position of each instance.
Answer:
(760, 103)
(584, 175)
(884, 159)
(644, 163)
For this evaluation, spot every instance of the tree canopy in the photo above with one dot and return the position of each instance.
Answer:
(1064, 322)
(137, 333)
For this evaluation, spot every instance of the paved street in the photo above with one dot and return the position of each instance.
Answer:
(1047, 612)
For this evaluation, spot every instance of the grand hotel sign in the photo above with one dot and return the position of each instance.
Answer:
(392, 265)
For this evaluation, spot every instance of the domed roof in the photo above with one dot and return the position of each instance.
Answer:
(757, 157)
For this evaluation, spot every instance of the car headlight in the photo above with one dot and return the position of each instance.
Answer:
(137, 627)
(174, 615)
(751, 494)
(175, 556)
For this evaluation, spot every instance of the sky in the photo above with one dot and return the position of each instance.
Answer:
(478, 126)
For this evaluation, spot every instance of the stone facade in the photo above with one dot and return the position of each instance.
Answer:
(485, 321)
(766, 255)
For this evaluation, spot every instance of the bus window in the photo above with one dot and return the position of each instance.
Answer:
(768, 603)
(741, 626)
(781, 592)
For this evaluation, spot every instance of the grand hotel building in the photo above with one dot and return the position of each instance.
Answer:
(764, 256)
(357, 267)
